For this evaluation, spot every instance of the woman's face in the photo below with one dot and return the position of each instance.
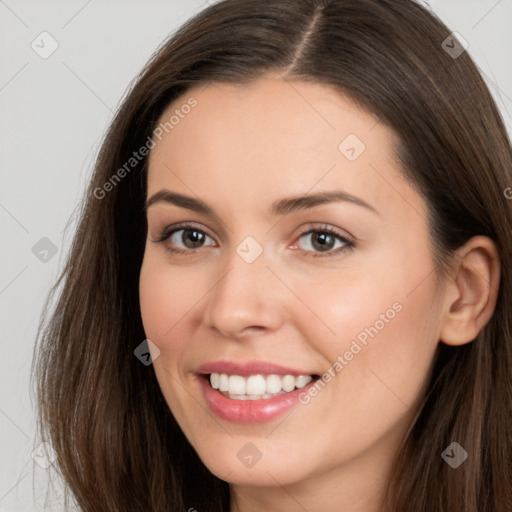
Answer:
(308, 251)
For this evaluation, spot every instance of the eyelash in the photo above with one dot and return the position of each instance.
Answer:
(348, 244)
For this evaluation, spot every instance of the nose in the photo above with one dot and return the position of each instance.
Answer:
(247, 299)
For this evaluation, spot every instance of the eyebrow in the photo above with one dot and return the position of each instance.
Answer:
(281, 207)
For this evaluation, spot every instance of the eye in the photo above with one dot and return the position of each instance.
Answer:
(322, 241)
(325, 242)
(183, 238)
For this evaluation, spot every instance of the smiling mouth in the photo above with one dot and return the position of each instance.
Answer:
(258, 386)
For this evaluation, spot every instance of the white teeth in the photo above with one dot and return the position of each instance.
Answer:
(214, 380)
(257, 387)
(223, 382)
(302, 380)
(288, 383)
(236, 385)
(255, 397)
(273, 384)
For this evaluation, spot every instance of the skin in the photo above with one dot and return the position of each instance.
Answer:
(239, 150)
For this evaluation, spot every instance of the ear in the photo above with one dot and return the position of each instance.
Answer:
(471, 292)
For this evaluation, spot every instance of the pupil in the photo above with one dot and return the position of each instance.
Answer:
(193, 237)
(325, 241)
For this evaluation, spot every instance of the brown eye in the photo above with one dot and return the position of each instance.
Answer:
(184, 238)
(192, 238)
(324, 242)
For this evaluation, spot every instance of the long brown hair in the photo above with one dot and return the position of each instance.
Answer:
(119, 447)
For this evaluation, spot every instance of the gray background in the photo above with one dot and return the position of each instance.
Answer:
(55, 111)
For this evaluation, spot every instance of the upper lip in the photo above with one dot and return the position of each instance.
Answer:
(248, 368)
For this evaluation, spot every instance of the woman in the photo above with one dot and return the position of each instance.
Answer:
(298, 217)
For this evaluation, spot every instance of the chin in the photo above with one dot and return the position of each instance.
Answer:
(267, 471)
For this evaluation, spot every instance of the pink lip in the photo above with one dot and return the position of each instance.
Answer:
(248, 411)
(249, 368)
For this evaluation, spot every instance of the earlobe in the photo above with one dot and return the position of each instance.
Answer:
(472, 292)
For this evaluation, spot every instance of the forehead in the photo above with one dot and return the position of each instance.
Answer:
(294, 116)
(273, 136)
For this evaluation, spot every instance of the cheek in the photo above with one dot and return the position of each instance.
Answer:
(378, 335)
(166, 296)
(346, 308)
(386, 307)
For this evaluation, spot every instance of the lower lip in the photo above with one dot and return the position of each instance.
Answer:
(249, 411)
